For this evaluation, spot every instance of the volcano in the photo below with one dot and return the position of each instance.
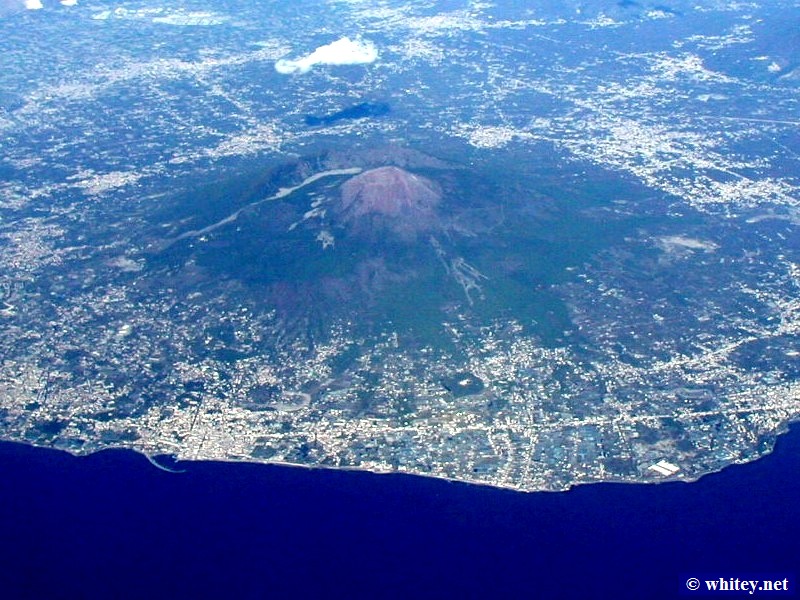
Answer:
(389, 198)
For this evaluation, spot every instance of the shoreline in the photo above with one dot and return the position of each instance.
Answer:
(151, 458)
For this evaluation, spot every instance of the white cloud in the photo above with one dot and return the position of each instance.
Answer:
(341, 52)
(69, 2)
(33, 4)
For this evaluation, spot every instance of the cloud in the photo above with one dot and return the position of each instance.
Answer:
(33, 4)
(341, 52)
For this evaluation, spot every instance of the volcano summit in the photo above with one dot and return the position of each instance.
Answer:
(389, 198)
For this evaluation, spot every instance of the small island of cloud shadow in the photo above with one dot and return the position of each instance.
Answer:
(362, 110)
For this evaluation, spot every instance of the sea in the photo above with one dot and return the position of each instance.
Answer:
(111, 525)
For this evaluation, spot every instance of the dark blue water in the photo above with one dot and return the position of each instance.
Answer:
(112, 526)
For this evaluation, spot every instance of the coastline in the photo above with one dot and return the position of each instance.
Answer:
(110, 525)
(151, 457)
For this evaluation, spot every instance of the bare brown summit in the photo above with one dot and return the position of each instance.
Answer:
(389, 197)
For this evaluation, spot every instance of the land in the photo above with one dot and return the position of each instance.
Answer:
(615, 269)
